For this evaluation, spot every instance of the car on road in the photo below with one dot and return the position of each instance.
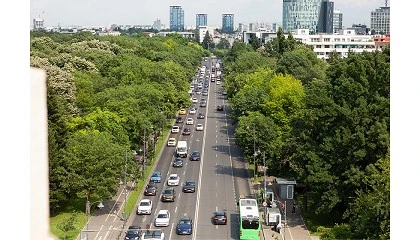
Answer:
(193, 111)
(203, 104)
(151, 189)
(182, 111)
(201, 115)
(195, 156)
(224, 93)
(205, 93)
(217, 82)
(175, 129)
(168, 195)
(179, 120)
(212, 79)
(220, 218)
(153, 235)
(198, 91)
(171, 142)
(219, 107)
(184, 226)
(194, 100)
(133, 233)
(178, 162)
(162, 219)
(156, 177)
(173, 180)
(188, 186)
(199, 127)
(145, 207)
(190, 121)
(186, 131)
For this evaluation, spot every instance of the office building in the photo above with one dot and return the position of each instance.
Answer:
(227, 23)
(300, 14)
(360, 29)
(176, 19)
(326, 17)
(276, 27)
(38, 23)
(337, 21)
(200, 20)
(157, 24)
(242, 27)
(379, 20)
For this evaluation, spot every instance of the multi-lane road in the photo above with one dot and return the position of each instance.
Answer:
(220, 176)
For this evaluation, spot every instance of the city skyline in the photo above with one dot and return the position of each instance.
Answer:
(130, 12)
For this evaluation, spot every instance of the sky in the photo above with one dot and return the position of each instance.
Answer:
(144, 12)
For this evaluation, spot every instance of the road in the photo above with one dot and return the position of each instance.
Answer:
(220, 176)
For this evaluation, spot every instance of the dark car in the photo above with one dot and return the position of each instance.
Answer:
(201, 115)
(220, 218)
(133, 233)
(203, 104)
(179, 120)
(205, 93)
(195, 156)
(168, 195)
(151, 189)
(219, 108)
(189, 186)
(184, 226)
(178, 162)
(186, 131)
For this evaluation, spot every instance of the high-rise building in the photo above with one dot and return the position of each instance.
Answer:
(38, 23)
(200, 20)
(241, 27)
(326, 17)
(227, 23)
(337, 21)
(157, 24)
(300, 14)
(176, 18)
(275, 27)
(379, 20)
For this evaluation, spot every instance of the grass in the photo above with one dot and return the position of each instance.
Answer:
(74, 217)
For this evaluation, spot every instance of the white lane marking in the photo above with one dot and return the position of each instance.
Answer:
(216, 135)
(99, 232)
(144, 219)
(217, 226)
(290, 233)
(216, 153)
(176, 208)
(230, 155)
(110, 227)
(111, 212)
(170, 235)
(179, 195)
(216, 208)
(184, 172)
(216, 141)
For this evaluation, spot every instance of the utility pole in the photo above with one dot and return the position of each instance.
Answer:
(144, 153)
(125, 187)
(285, 223)
(255, 153)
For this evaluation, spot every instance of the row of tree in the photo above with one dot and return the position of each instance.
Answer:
(324, 123)
(104, 94)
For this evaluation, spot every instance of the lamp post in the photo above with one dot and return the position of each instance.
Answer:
(144, 153)
(125, 186)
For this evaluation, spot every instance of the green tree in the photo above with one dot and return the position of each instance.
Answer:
(223, 44)
(254, 42)
(207, 42)
(282, 43)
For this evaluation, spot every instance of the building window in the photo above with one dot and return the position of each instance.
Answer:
(326, 39)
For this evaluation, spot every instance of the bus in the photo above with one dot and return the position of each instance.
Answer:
(249, 219)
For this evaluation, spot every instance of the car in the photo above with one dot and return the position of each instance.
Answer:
(220, 218)
(193, 111)
(217, 82)
(162, 219)
(198, 91)
(145, 207)
(219, 107)
(179, 120)
(182, 111)
(190, 121)
(153, 235)
(199, 127)
(212, 79)
(171, 142)
(203, 104)
(186, 131)
(168, 195)
(173, 180)
(151, 189)
(184, 226)
(156, 177)
(201, 115)
(133, 233)
(205, 93)
(188, 186)
(175, 129)
(200, 85)
(195, 156)
(224, 93)
(194, 100)
(178, 162)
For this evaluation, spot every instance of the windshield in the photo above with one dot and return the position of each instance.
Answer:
(162, 215)
(155, 175)
(172, 178)
(144, 204)
(189, 184)
(168, 192)
(184, 222)
(250, 224)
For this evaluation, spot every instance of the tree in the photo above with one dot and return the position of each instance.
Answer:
(282, 43)
(254, 42)
(291, 42)
(223, 44)
(207, 41)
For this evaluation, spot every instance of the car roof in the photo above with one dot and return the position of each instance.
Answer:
(173, 175)
(220, 213)
(172, 139)
(163, 211)
(145, 200)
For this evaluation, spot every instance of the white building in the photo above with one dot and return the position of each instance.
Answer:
(337, 21)
(202, 31)
(38, 23)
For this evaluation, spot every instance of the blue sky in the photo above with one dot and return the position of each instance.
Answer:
(132, 12)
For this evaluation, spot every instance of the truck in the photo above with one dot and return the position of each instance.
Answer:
(182, 149)
(273, 216)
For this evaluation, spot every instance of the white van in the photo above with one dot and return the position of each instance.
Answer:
(182, 149)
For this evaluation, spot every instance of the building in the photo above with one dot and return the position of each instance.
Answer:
(326, 17)
(189, 35)
(176, 19)
(242, 27)
(38, 23)
(300, 14)
(276, 27)
(202, 30)
(337, 21)
(381, 41)
(227, 23)
(200, 20)
(360, 29)
(379, 20)
(157, 24)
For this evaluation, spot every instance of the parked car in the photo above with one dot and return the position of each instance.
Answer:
(153, 235)
(173, 180)
(162, 219)
(133, 233)
(175, 129)
(189, 186)
(186, 131)
(168, 195)
(184, 226)
(171, 142)
(178, 162)
(179, 120)
(199, 127)
(220, 218)
(145, 207)
(151, 189)
(190, 121)
(201, 115)
(156, 177)
(195, 156)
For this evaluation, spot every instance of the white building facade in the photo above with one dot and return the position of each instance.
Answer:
(202, 31)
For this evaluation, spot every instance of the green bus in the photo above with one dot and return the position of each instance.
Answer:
(249, 219)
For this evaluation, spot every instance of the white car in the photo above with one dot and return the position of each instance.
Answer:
(217, 82)
(162, 218)
(199, 127)
(190, 121)
(153, 235)
(145, 207)
(173, 180)
(194, 100)
(193, 111)
(175, 129)
(171, 142)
